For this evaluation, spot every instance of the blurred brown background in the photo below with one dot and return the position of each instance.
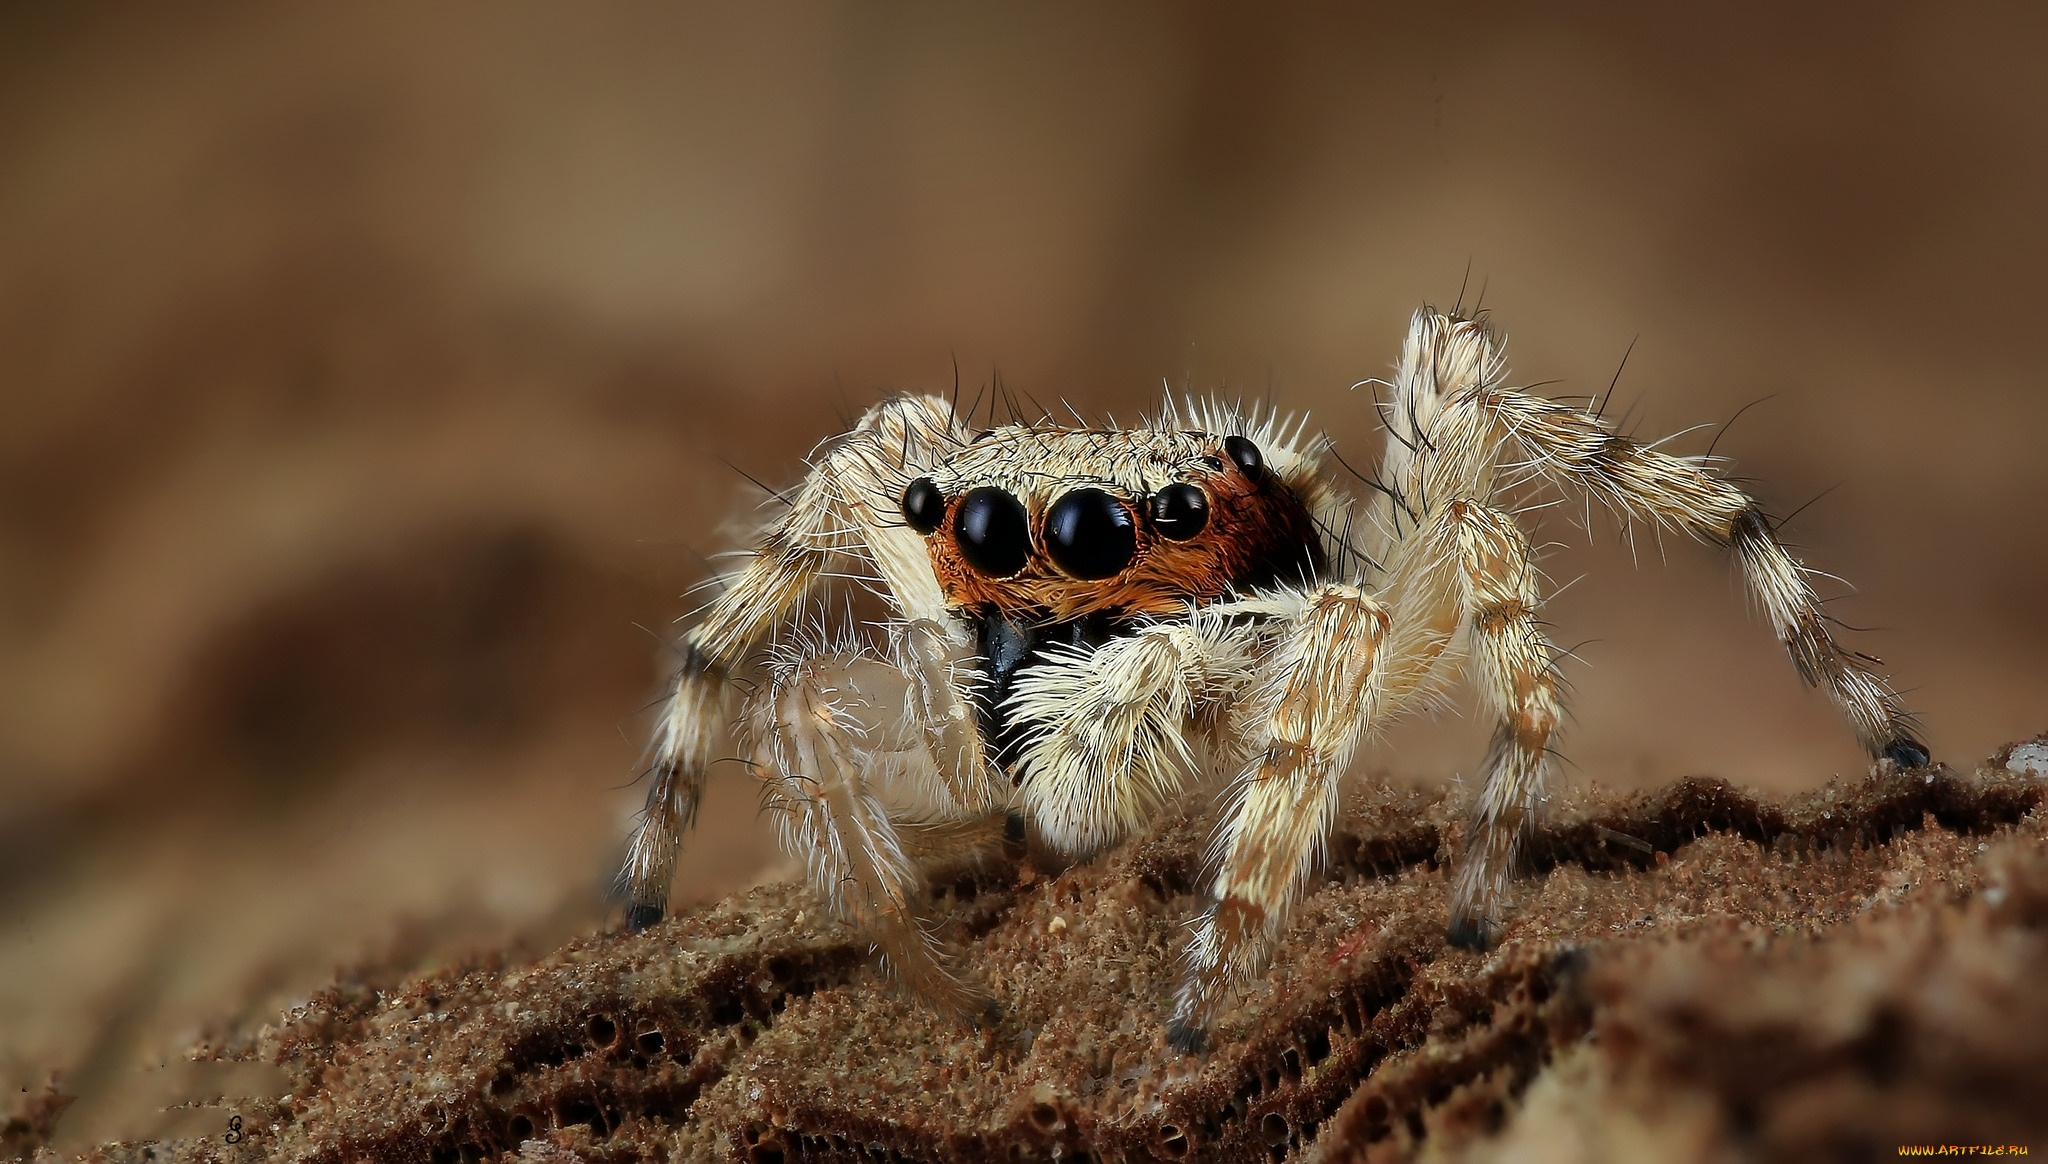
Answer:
(370, 378)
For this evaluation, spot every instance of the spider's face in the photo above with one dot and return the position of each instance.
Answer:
(1055, 524)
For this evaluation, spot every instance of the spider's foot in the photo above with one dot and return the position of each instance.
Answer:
(1906, 752)
(1568, 965)
(991, 1016)
(641, 917)
(1186, 1037)
(1472, 933)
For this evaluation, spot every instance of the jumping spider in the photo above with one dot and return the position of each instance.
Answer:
(1085, 620)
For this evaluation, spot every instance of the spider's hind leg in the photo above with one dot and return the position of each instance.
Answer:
(1574, 448)
(1454, 418)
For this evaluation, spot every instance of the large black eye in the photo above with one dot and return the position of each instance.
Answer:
(994, 534)
(1246, 455)
(1179, 511)
(924, 507)
(1090, 534)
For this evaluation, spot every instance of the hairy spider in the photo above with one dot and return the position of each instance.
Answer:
(1083, 621)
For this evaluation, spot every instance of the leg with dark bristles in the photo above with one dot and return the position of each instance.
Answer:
(693, 730)
(1310, 706)
(831, 520)
(823, 740)
(1511, 659)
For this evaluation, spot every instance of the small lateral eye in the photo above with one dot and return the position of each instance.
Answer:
(1246, 455)
(924, 506)
(1179, 511)
(993, 532)
(1090, 534)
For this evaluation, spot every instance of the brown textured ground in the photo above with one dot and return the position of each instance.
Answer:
(1692, 972)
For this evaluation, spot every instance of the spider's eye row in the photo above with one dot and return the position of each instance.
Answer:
(1179, 511)
(1245, 455)
(1090, 534)
(992, 531)
(924, 506)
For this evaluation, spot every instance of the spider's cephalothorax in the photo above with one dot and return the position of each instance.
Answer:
(1084, 621)
(1064, 525)
(1045, 538)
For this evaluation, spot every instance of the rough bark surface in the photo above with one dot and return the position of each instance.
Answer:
(1693, 972)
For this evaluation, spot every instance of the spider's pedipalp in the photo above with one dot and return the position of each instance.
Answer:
(1108, 728)
(943, 685)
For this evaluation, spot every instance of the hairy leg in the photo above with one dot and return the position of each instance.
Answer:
(694, 729)
(1451, 418)
(842, 516)
(1313, 699)
(841, 769)
(1570, 446)
(1512, 662)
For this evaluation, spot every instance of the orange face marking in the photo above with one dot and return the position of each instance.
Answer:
(1257, 531)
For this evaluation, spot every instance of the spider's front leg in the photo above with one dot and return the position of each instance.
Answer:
(1314, 697)
(831, 521)
(856, 794)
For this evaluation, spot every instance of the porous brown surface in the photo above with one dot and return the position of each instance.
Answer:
(1693, 972)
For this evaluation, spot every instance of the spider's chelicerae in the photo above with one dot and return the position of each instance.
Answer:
(1083, 621)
